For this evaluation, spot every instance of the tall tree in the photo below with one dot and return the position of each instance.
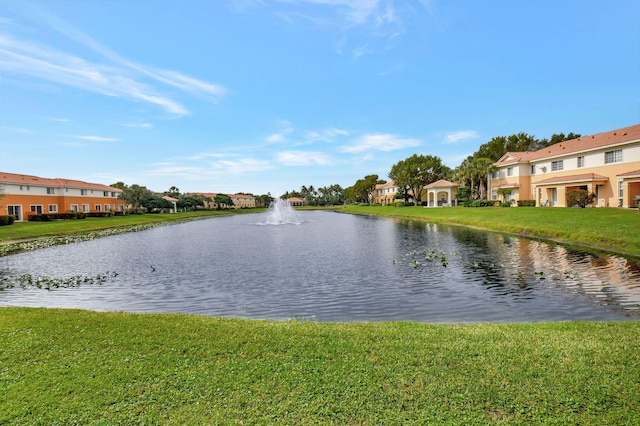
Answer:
(414, 173)
(223, 199)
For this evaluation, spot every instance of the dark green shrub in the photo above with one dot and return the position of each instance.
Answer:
(526, 203)
(505, 204)
(410, 204)
(7, 220)
(100, 214)
(39, 218)
(580, 198)
(398, 204)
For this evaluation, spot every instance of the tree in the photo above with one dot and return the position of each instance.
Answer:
(132, 194)
(580, 198)
(191, 202)
(223, 199)
(504, 193)
(154, 202)
(362, 190)
(173, 192)
(416, 172)
(481, 167)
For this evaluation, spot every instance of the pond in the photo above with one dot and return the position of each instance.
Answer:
(329, 266)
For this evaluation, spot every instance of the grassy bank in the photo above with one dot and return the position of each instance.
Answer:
(69, 367)
(34, 235)
(609, 229)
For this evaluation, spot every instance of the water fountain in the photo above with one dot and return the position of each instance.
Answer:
(282, 213)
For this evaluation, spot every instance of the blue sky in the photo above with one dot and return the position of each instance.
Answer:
(269, 95)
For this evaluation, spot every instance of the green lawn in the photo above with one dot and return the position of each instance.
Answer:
(78, 367)
(31, 230)
(609, 229)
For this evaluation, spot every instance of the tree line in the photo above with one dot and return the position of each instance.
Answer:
(141, 198)
(414, 173)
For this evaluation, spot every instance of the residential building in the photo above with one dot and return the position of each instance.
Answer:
(26, 194)
(239, 200)
(385, 193)
(606, 164)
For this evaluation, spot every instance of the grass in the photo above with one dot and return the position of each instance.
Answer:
(24, 231)
(610, 229)
(80, 367)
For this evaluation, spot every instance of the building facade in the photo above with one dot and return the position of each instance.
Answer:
(26, 194)
(385, 193)
(606, 164)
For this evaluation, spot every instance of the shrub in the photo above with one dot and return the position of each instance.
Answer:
(410, 204)
(526, 203)
(480, 203)
(580, 198)
(398, 204)
(7, 220)
(505, 204)
(100, 214)
(39, 218)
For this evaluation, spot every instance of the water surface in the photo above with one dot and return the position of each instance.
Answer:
(333, 267)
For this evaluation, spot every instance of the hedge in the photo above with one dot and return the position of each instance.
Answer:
(7, 220)
(526, 203)
(48, 217)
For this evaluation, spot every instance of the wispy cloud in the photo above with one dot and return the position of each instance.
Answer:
(362, 24)
(116, 76)
(96, 138)
(139, 125)
(380, 142)
(302, 158)
(461, 135)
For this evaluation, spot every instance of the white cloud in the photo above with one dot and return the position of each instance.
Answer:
(96, 138)
(326, 135)
(302, 158)
(117, 76)
(461, 135)
(380, 142)
(139, 125)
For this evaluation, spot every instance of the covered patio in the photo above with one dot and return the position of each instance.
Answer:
(441, 193)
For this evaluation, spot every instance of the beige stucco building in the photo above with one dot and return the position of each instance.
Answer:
(606, 164)
(385, 193)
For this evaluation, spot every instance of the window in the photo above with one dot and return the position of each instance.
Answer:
(495, 174)
(494, 194)
(557, 165)
(620, 190)
(107, 208)
(105, 193)
(83, 192)
(53, 208)
(533, 170)
(85, 208)
(51, 191)
(113, 195)
(74, 207)
(613, 156)
(509, 171)
(98, 207)
(580, 161)
(37, 209)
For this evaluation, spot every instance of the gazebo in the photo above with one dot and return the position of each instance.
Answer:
(441, 193)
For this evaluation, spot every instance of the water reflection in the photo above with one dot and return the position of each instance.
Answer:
(334, 267)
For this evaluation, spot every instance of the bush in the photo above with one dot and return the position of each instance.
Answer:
(580, 198)
(505, 204)
(410, 204)
(48, 217)
(7, 220)
(398, 204)
(526, 203)
(100, 214)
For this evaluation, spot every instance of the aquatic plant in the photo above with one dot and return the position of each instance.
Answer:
(429, 256)
(47, 283)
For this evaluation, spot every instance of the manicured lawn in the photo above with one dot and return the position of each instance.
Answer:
(611, 229)
(79, 367)
(31, 230)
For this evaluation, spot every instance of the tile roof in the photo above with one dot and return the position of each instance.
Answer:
(55, 182)
(584, 143)
(573, 178)
(389, 184)
(632, 173)
(442, 183)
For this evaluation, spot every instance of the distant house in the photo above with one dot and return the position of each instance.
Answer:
(26, 194)
(606, 164)
(173, 201)
(296, 201)
(240, 201)
(385, 193)
(243, 201)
